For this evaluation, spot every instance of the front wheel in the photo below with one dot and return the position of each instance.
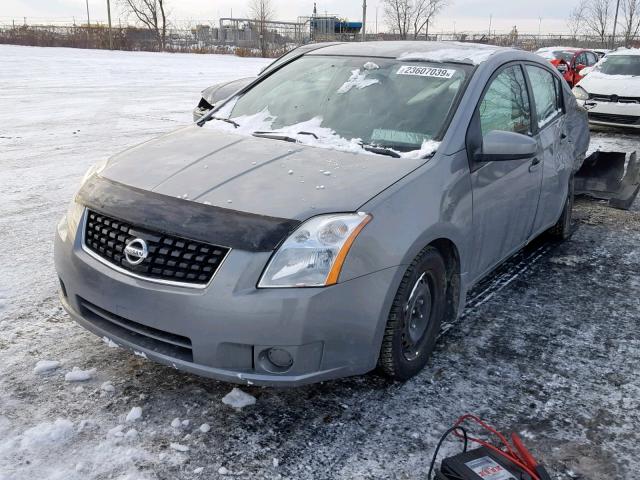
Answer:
(415, 318)
(562, 230)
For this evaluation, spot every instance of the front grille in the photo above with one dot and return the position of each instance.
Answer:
(611, 118)
(613, 98)
(170, 258)
(159, 341)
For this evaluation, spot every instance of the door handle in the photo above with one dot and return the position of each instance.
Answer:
(534, 164)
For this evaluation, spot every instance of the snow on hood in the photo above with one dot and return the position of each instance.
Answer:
(315, 134)
(459, 52)
(603, 84)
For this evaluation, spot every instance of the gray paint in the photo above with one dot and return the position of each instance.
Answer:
(487, 211)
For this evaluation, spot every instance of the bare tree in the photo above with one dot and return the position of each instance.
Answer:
(630, 20)
(399, 15)
(424, 12)
(262, 11)
(575, 23)
(598, 18)
(152, 14)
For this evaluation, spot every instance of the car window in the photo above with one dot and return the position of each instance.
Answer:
(505, 105)
(581, 59)
(545, 94)
(620, 65)
(592, 59)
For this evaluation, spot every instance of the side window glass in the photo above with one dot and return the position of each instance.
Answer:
(592, 59)
(582, 59)
(545, 94)
(505, 105)
(559, 94)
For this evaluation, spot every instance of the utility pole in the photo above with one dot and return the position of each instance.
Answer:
(490, 22)
(364, 20)
(88, 19)
(615, 24)
(540, 27)
(109, 16)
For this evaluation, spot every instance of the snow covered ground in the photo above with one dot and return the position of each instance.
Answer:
(549, 345)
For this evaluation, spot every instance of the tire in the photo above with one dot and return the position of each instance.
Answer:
(415, 317)
(562, 229)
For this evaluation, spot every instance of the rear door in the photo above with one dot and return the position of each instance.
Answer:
(551, 125)
(505, 193)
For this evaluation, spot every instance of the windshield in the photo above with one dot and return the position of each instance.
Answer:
(621, 65)
(352, 101)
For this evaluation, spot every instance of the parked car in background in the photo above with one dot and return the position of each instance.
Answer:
(569, 61)
(611, 90)
(220, 91)
(328, 218)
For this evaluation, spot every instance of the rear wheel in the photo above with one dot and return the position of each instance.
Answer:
(415, 318)
(562, 230)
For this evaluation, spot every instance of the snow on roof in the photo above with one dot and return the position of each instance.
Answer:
(556, 49)
(624, 51)
(454, 52)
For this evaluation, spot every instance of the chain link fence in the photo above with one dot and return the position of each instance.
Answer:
(241, 39)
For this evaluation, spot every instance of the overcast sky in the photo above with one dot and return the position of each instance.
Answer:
(461, 15)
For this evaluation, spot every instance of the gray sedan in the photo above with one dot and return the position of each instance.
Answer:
(329, 217)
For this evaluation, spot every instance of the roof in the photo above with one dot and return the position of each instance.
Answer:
(471, 53)
(624, 51)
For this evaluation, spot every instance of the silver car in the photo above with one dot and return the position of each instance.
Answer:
(214, 94)
(329, 217)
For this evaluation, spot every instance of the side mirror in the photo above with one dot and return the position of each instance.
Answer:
(580, 67)
(502, 146)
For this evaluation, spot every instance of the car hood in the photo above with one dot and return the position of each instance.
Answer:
(621, 85)
(256, 175)
(221, 91)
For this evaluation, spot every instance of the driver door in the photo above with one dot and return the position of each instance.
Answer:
(506, 192)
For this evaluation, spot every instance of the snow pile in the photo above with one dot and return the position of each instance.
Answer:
(134, 414)
(45, 366)
(47, 434)
(107, 387)
(179, 447)
(357, 80)
(428, 147)
(459, 52)
(238, 399)
(78, 375)
(110, 343)
(326, 137)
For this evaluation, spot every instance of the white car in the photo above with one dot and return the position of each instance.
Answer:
(610, 90)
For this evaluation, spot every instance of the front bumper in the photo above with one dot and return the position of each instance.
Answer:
(613, 114)
(226, 330)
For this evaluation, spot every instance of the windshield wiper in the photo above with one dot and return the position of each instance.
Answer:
(380, 150)
(226, 120)
(275, 136)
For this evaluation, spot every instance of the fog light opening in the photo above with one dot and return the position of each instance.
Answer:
(276, 360)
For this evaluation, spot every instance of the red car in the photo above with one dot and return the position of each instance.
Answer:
(569, 61)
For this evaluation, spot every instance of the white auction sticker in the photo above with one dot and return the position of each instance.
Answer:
(425, 71)
(488, 469)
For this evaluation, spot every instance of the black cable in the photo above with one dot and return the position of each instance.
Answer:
(441, 441)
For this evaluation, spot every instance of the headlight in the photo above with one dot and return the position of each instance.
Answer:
(74, 215)
(313, 255)
(93, 169)
(580, 93)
